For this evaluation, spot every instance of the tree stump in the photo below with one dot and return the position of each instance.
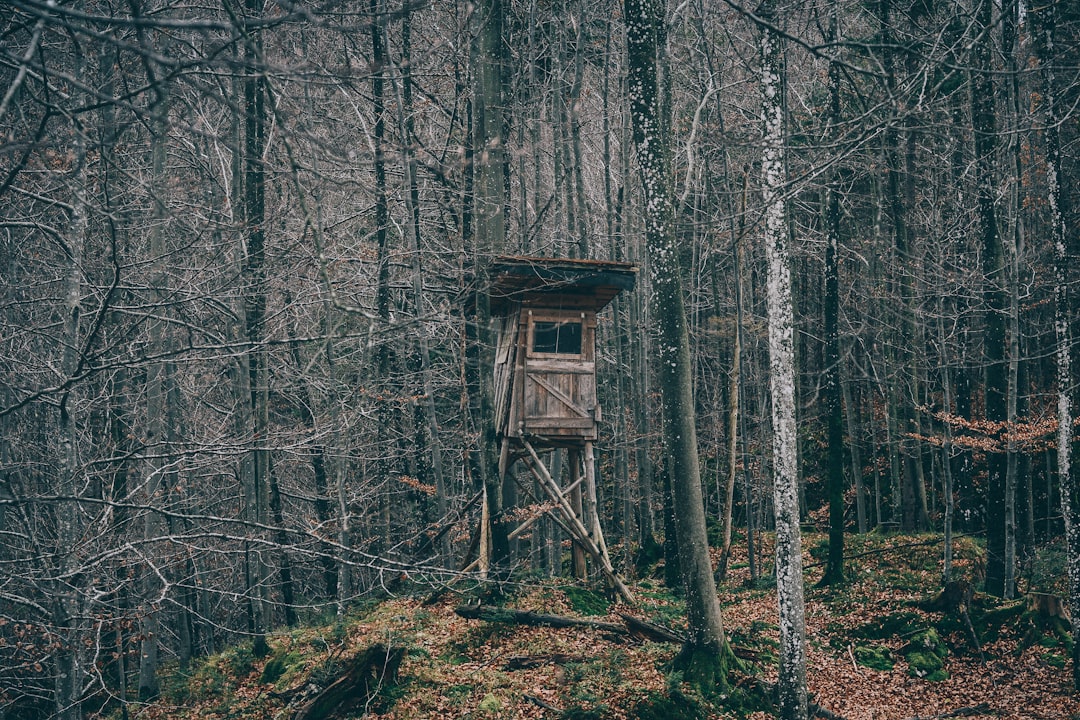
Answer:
(366, 673)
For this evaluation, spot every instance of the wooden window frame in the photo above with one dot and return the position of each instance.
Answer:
(535, 316)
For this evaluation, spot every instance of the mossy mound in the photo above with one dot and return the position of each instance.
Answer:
(925, 656)
(277, 666)
(875, 657)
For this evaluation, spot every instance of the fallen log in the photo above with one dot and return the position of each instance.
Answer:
(490, 613)
(645, 630)
(366, 673)
(635, 627)
(527, 662)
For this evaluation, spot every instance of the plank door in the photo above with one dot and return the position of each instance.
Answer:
(559, 393)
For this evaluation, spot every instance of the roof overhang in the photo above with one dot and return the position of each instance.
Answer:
(556, 282)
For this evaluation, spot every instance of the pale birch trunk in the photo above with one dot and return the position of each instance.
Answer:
(1065, 253)
(789, 576)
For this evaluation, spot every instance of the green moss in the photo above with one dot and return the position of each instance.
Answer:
(1054, 660)
(875, 657)
(278, 666)
(929, 641)
(675, 706)
(458, 694)
(240, 659)
(586, 602)
(706, 668)
(925, 665)
(490, 704)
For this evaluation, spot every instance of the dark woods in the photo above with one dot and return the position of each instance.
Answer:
(245, 350)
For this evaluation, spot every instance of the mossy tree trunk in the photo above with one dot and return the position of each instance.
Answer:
(706, 656)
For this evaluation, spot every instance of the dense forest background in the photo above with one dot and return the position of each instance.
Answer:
(242, 360)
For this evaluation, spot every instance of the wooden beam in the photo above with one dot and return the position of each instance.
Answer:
(574, 522)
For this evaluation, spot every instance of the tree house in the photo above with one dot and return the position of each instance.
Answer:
(545, 381)
(545, 359)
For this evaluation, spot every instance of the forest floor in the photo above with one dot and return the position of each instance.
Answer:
(878, 649)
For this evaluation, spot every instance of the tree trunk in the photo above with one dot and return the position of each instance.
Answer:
(412, 202)
(854, 432)
(1066, 242)
(832, 392)
(984, 126)
(158, 377)
(66, 614)
(254, 188)
(789, 576)
(489, 197)
(706, 656)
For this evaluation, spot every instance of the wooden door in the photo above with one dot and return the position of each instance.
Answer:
(559, 388)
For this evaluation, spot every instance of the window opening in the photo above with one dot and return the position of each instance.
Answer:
(559, 338)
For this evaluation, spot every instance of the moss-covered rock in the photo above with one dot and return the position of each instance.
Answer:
(876, 657)
(926, 654)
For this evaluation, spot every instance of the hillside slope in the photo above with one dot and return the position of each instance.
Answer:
(884, 647)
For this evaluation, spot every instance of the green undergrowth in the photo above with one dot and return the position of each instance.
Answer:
(887, 617)
(585, 601)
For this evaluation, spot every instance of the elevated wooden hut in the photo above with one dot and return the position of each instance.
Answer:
(545, 382)
(545, 362)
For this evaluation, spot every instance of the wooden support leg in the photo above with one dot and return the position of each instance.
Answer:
(574, 524)
(592, 513)
(484, 559)
(581, 571)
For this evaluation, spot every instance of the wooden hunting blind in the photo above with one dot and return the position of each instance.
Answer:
(545, 361)
(545, 385)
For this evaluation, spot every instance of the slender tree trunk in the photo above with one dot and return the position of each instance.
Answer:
(158, 376)
(412, 203)
(254, 275)
(734, 395)
(789, 576)
(832, 391)
(66, 606)
(1010, 19)
(735, 392)
(1066, 242)
(984, 125)
(946, 449)
(898, 185)
(854, 432)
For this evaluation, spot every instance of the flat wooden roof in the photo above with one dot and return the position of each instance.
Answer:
(557, 282)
